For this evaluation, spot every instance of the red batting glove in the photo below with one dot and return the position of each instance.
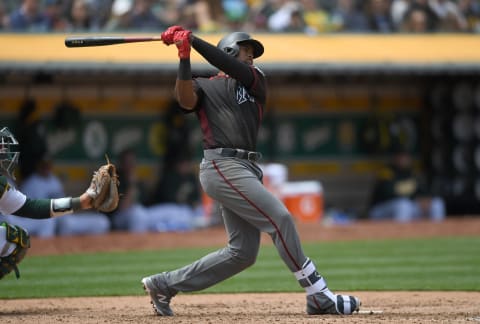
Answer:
(182, 40)
(167, 35)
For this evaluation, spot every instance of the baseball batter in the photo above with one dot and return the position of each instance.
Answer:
(230, 108)
(14, 240)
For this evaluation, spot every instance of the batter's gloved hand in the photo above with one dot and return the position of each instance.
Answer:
(182, 41)
(167, 35)
(103, 188)
(21, 240)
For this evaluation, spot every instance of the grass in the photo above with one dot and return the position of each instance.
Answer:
(420, 264)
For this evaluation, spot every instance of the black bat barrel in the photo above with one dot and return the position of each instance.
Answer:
(93, 41)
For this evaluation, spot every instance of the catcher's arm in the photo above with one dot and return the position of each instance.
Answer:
(47, 208)
(102, 195)
(69, 205)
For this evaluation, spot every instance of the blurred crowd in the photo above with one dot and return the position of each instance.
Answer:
(304, 16)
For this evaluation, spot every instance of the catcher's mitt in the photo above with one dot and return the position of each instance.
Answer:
(17, 235)
(103, 188)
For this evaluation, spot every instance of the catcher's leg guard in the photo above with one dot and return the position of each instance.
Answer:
(14, 243)
(159, 295)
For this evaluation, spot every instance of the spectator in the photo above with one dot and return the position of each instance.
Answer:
(470, 9)
(9, 5)
(30, 130)
(169, 12)
(142, 17)
(178, 134)
(346, 17)
(119, 14)
(79, 17)
(261, 12)
(378, 16)
(306, 16)
(166, 213)
(178, 184)
(235, 13)
(398, 8)
(100, 13)
(177, 195)
(196, 15)
(56, 20)
(415, 22)
(450, 17)
(28, 17)
(400, 193)
(177, 192)
(288, 18)
(3, 16)
(316, 19)
(131, 215)
(418, 14)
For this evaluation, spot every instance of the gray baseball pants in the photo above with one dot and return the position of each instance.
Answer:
(248, 209)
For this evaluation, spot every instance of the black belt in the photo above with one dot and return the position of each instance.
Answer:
(241, 154)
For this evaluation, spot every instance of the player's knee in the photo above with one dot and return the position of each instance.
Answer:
(282, 221)
(244, 258)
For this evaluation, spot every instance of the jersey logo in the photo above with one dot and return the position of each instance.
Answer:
(243, 96)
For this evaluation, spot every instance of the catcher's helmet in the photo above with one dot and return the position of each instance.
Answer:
(229, 44)
(8, 154)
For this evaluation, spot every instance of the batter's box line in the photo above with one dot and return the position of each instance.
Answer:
(370, 311)
(473, 319)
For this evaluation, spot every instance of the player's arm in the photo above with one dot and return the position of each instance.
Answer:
(47, 208)
(184, 90)
(224, 62)
(184, 87)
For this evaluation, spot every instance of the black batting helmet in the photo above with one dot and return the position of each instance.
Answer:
(229, 44)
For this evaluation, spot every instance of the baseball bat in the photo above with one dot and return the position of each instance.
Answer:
(107, 40)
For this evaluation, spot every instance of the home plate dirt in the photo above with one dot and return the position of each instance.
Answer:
(386, 307)
(278, 308)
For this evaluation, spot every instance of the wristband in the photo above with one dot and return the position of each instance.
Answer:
(61, 206)
(184, 70)
(76, 204)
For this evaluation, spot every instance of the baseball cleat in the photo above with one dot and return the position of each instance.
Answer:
(329, 303)
(160, 298)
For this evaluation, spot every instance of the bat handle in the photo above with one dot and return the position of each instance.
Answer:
(142, 39)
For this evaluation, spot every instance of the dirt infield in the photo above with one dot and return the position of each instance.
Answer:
(377, 307)
(386, 307)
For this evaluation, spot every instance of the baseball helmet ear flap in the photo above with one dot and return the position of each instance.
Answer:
(230, 44)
